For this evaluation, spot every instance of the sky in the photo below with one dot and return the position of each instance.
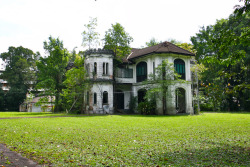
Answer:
(29, 23)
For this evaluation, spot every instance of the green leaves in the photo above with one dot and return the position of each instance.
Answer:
(90, 37)
(118, 40)
(51, 69)
(223, 50)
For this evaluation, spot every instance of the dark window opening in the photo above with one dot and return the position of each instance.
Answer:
(105, 97)
(88, 98)
(154, 69)
(141, 72)
(107, 68)
(95, 98)
(141, 95)
(103, 68)
(95, 68)
(179, 66)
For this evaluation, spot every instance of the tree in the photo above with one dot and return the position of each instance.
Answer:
(20, 73)
(118, 40)
(90, 37)
(52, 69)
(76, 86)
(158, 83)
(223, 49)
(2, 99)
(152, 42)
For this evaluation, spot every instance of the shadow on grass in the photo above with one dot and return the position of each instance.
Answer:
(218, 154)
(226, 112)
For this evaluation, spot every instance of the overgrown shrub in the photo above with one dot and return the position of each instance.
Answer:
(147, 107)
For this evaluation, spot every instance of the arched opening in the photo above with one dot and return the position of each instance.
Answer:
(95, 98)
(105, 97)
(141, 95)
(95, 68)
(180, 100)
(119, 96)
(141, 71)
(179, 66)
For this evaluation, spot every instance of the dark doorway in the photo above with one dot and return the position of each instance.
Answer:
(119, 99)
(180, 100)
(141, 95)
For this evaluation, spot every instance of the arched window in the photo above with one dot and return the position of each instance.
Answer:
(95, 68)
(179, 66)
(180, 100)
(141, 72)
(105, 68)
(95, 98)
(105, 97)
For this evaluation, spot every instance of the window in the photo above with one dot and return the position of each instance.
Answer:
(105, 97)
(87, 98)
(105, 67)
(154, 69)
(179, 66)
(141, 71)
(124, 73)
(95, 68)
(95, 98)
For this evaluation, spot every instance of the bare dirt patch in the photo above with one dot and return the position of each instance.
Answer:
(12, 159)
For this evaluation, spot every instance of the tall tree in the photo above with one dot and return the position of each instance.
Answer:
(76, 85)
(90, 37)
(118, 40)
(223, 48)
(20, 73)
(52, 69)
(2, 99)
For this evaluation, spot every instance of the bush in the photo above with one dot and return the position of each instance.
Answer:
(147, 107)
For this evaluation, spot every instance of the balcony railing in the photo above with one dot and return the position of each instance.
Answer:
(124, 73)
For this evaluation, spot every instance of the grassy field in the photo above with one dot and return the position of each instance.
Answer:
(28, 114)
(210, 139)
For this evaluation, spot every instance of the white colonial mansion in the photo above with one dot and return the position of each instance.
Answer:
(109, 92)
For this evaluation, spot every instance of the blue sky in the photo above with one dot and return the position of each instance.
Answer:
(29, 23)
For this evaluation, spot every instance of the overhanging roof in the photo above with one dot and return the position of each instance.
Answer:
(165, 47)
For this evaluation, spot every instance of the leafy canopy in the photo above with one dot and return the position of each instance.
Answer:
(118, 40)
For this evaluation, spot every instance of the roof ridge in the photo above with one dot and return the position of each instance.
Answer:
(181, 48)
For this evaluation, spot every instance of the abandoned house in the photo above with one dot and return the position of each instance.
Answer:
(109, 92)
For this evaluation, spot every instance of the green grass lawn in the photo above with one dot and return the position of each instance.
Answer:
(210, 139)
(28, 114)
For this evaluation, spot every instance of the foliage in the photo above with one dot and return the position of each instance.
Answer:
(76, 86)
(152, 42)
(158, 83)
(2, 99)
(224, 51)
(52, 69)
(147, 107)
(14, 97)
(217, 139)
(132, 103)
(20, 73)
(90, 37)
(240, 10)
(118, 40)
